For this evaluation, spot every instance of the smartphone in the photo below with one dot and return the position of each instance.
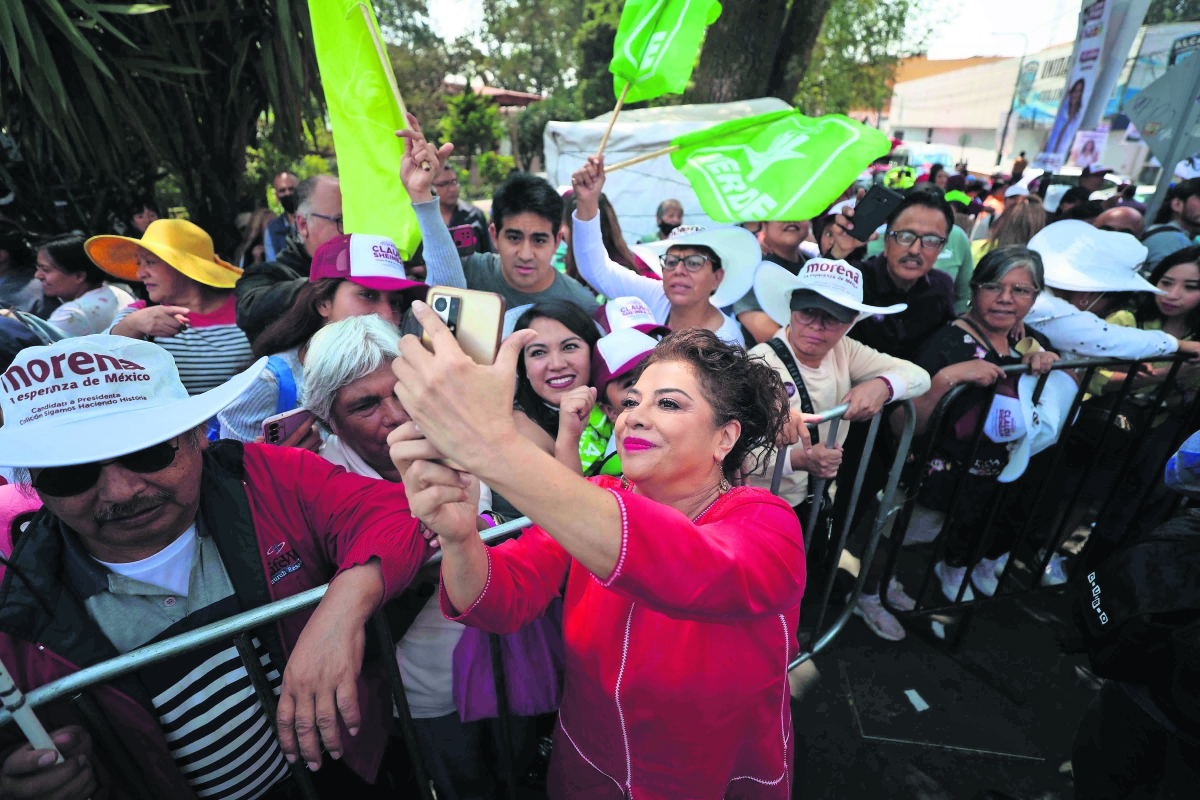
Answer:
(278, 428)
(475, 318)
(873, 210)
(464, 238)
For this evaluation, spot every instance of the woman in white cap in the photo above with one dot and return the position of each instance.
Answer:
(703, 270)
(351, 275)
(821, 368)
(192, 311)
(1082, 265)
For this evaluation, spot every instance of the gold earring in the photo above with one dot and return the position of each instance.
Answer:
(723, 486)
(625, 483)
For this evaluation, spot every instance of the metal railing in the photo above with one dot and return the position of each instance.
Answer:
(238, 628)
(1039, 504)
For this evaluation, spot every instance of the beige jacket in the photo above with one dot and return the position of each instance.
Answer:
(845, 366)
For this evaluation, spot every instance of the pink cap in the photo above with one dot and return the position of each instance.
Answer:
(629, 312)
(371, 261)
(618, 354)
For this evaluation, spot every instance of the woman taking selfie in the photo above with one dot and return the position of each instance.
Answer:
(673, 553)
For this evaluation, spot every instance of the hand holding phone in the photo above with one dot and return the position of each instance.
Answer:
(475, 318)
(464, 239)
(873, 210)
(291, 429)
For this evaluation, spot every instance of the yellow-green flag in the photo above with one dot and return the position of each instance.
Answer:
(656, 46)
(365, 118)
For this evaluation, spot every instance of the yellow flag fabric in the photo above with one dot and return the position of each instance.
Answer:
(365, 118)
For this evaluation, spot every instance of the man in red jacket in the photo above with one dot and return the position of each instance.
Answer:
(146, 532)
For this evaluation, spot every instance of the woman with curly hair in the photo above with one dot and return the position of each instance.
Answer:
(682, 590)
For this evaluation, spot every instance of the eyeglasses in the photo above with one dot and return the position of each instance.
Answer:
(817, 320)
(1020, 291)
(929, 241)
(1111, 229)
(444, 184)
(78, 478)
(335, 220)
(690, 263)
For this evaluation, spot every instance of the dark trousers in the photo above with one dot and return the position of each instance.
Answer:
(457, 755)
(1121, 752)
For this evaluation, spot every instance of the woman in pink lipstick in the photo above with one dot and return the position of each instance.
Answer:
(681, 591)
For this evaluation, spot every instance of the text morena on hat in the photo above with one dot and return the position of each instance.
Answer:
(835, 280)
(182, 245)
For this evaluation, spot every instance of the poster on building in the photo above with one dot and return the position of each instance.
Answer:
(1085, 69)
(1088, 149)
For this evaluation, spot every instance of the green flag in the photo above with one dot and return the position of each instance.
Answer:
(365, 118)
(656, 46)
(778, 166)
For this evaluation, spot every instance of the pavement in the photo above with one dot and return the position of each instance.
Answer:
(995, 718)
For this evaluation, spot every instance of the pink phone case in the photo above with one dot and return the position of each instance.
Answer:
(279, 427)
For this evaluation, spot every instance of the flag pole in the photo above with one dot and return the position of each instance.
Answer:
(613, 121)
(381, 51)
(640, 159)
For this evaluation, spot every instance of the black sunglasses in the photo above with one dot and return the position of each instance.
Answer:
(77, 479)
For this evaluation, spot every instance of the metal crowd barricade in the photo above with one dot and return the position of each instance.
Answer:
(929, 598)
(818, 637)
(238, 628)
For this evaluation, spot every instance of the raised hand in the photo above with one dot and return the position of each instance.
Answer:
(422, 162)
(588, 183)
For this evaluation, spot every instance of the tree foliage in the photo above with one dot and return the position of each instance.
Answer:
(100, 100)
(1172, 11)
(472, 122)
(528, 43)
(856, 55)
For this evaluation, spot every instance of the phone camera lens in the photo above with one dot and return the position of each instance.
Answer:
(440, 304)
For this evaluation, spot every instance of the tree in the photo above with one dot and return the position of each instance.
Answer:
(594, 42)
(856, 55)
(739, 52)
(101, 100)
(528, 43)
(472, 122)
(1172, 11)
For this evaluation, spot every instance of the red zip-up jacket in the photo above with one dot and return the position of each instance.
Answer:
(276, 514)
(676, 677)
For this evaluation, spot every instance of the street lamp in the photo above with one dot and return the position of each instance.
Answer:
(1016, 86)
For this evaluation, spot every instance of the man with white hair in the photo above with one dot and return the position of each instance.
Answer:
(148, 531)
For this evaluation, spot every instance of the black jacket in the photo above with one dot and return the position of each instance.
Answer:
(266, 291)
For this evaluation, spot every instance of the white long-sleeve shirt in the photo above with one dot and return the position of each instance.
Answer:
(1079, 334)
(614, 280)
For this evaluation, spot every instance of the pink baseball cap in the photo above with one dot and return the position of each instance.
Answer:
(616, 355)
(629, 312)
(371, 261)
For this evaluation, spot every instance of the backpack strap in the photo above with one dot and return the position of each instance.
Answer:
(806, 405)
(287, 383)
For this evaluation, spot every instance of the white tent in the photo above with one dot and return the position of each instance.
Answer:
(636, 191)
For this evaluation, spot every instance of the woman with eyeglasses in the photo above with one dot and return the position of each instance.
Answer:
(702, 270)
(971, 351)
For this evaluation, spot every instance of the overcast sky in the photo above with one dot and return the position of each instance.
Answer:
(962, 28)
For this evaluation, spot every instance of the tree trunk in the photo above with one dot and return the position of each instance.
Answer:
(796, 47)
(739, 52)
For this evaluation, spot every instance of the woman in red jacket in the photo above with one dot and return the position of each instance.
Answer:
(682, 592)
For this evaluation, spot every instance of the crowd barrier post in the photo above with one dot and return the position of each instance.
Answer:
(74, 687)
(408, 729)
(821, 639)
(1057, 519)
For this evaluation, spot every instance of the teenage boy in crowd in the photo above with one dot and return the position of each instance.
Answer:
(526, 218)
(265, 291)
(146, 532)
(780, 242)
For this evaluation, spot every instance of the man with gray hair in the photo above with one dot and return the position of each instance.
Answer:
(265, 291)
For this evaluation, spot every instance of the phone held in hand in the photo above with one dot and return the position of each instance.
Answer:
(873, 210)
(280, 427)
(464, 239)
(475, 318)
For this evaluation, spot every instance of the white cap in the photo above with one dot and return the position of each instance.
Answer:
(1017, 190)
(1043, 422)
(630, 312)
(618, 354)
(93, 398)
(836, 280)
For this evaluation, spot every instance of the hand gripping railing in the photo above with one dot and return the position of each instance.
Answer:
(821, 638)
(236, 628)
(981, 537)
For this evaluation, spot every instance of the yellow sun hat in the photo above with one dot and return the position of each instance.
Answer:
(181, 244)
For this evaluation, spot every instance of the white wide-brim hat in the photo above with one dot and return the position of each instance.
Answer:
(1043, 422)
(94, 398)
(736, 247)
(835, 280)
(1081, 258)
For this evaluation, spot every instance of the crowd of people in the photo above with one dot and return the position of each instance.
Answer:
(187, 437)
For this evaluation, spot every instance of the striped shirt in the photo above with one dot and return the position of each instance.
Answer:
(210, 351)
(243, 418)
(217, 731)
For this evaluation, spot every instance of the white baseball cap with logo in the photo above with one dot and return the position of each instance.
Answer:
(1044, 422)
(94, 398)
(835, 281)
(630, 312)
